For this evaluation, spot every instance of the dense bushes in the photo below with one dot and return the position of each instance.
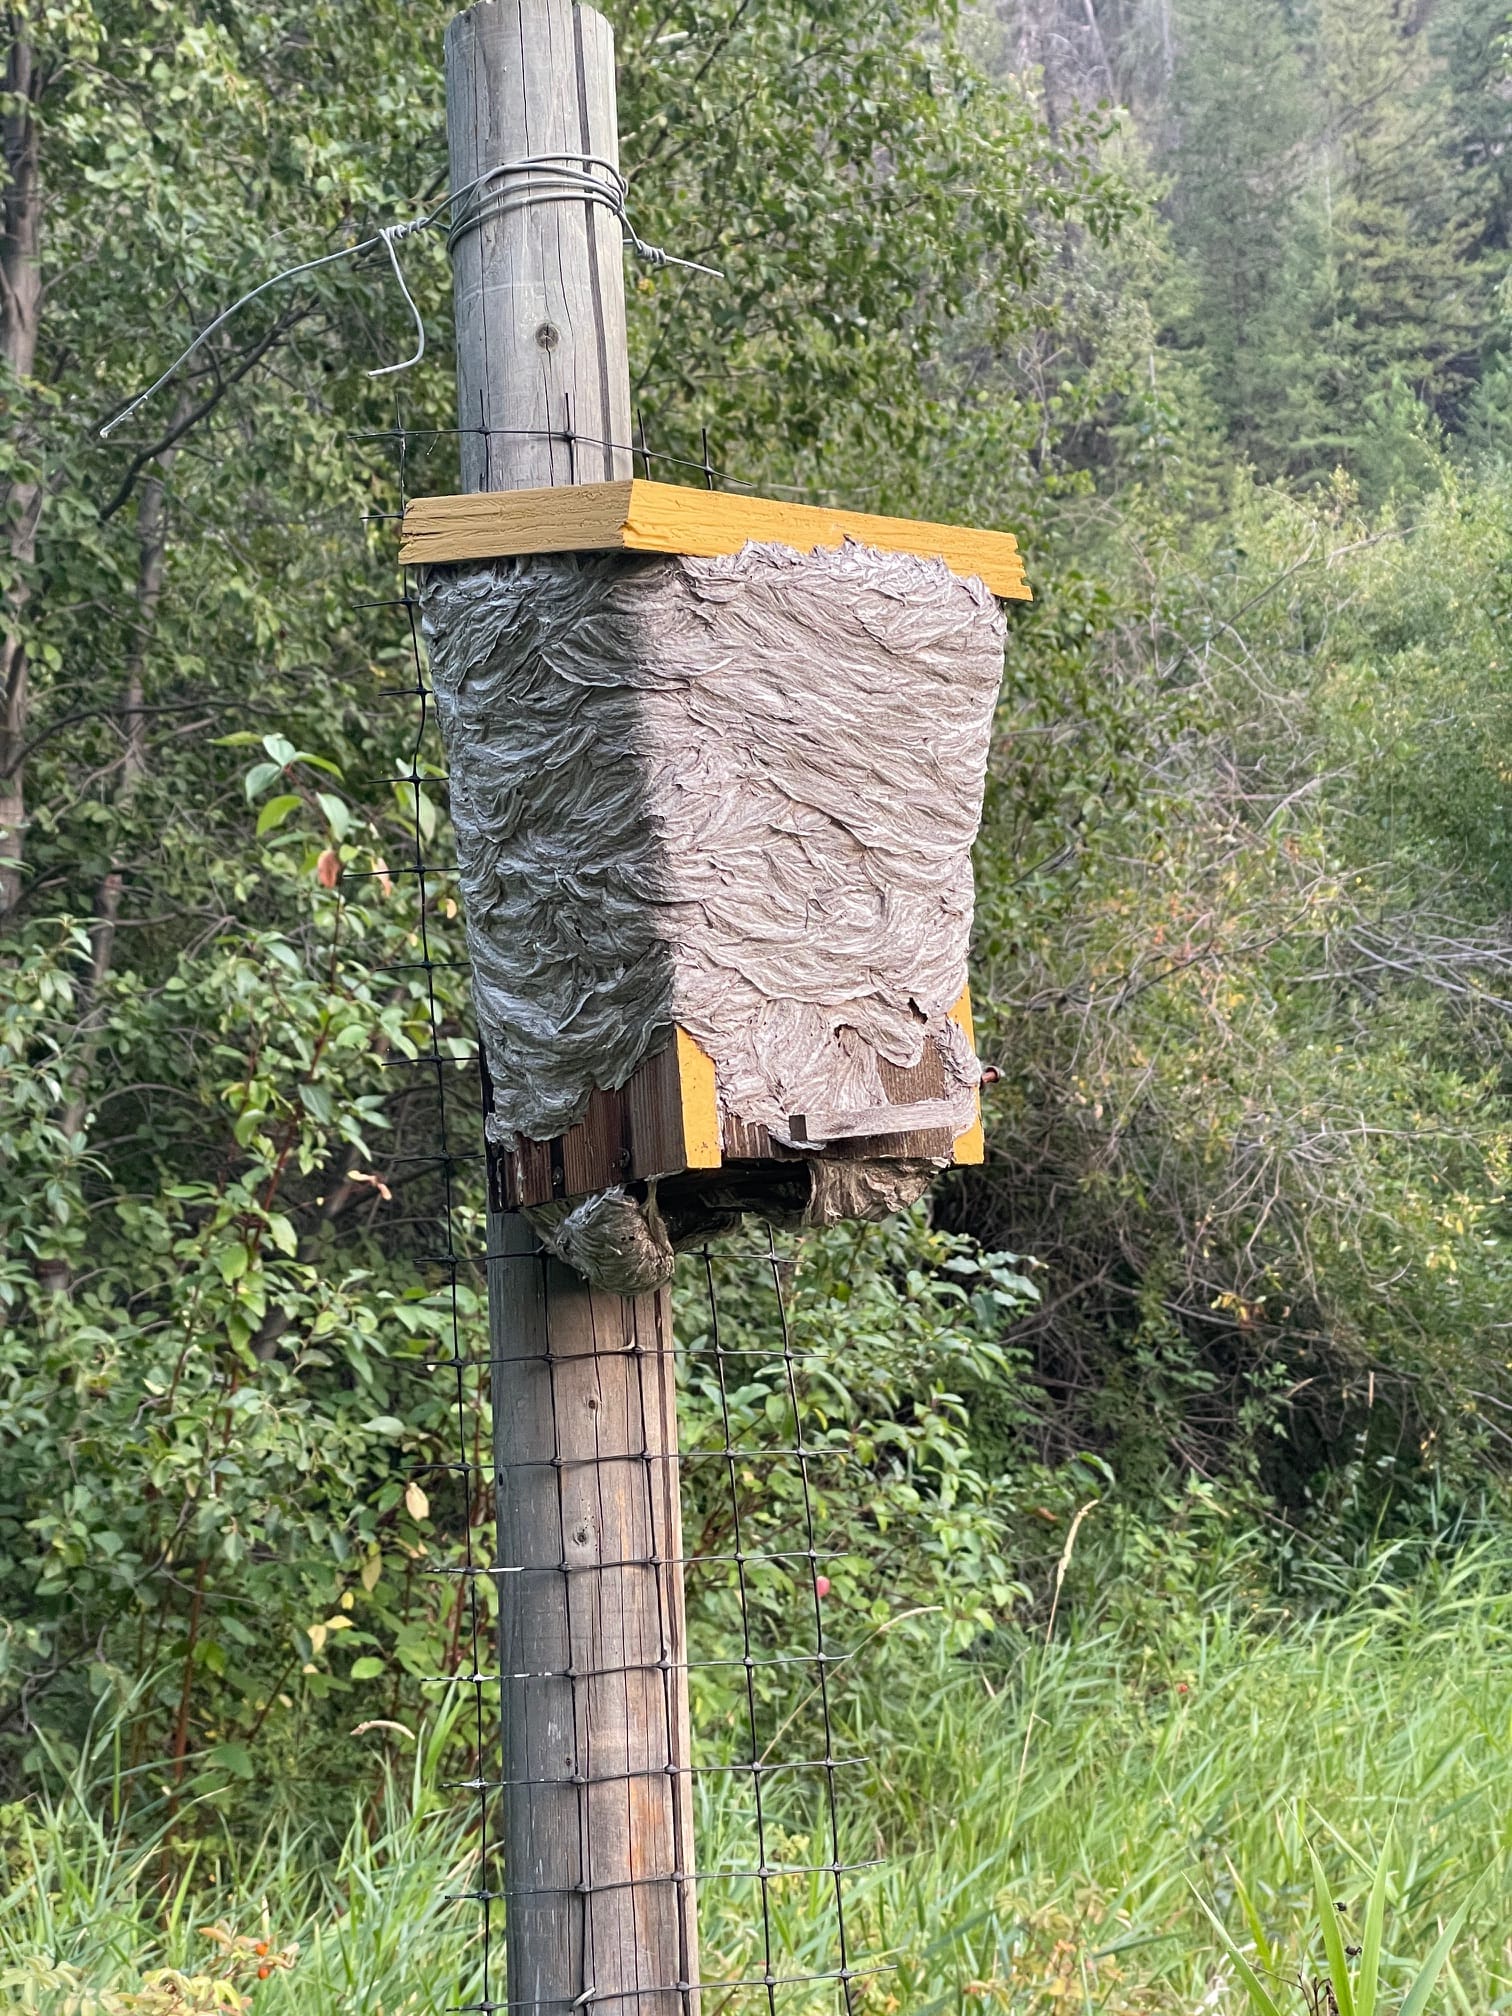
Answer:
(1244, 876)
(222, 1483)
(1255, 1114)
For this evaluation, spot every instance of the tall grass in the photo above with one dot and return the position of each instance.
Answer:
(102, 1917)
(1152, 1765)
(1045, 1816)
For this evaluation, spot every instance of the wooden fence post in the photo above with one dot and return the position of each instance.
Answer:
(597, 1802)
(539, 277)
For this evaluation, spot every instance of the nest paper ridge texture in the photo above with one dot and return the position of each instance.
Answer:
(736, 794)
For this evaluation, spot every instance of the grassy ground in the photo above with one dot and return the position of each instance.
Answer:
(1052, 1868)
(1043, 1816)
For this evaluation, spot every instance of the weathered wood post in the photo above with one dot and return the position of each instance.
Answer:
(716, 766)
(598, 1842)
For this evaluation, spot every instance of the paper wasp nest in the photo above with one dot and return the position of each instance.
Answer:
(737, 795)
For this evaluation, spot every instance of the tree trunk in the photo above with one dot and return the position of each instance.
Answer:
(20, 500)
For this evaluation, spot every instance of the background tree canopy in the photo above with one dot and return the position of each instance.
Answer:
(218, 1312)
(1208, 304)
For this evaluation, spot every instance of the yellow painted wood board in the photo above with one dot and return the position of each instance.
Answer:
(700, 1105)
(642, 517)
(970, 1147)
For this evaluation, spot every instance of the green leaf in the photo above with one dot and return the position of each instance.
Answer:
(316, 1100)
(277, 810)
(281, 749)
(1417, 1995)
(247, 1125)
(366, 1669)
(384, 1424)
(1254, 1987)
(338, 813)
(260, 776)
(233, 1262)
(1333, 1938)
(233, 1757)
(1370, 1945)
(1252, 1919)
(281, 1232)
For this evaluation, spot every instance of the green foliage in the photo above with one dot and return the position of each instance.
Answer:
(1334, 181)
(893, 1332)
(1241, 950)
(223, 1490)
(233, 1394)
(1234, 203)
(101, 1920)
(1253, 1115)
(1350, 1989)
(1046, 1814)
(863, 187)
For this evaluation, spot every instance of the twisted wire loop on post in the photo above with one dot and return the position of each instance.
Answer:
(548, 178)
(583, 1790)
(553, 178)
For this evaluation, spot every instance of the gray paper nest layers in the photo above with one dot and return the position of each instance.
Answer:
(736, 794)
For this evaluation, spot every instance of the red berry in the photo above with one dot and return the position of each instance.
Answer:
(821, 1585)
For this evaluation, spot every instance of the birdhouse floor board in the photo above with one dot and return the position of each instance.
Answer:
(642, 517)
(666, 1121)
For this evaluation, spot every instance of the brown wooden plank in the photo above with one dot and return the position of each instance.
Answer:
(655, 1120)
(929, 1145)
(593, 1152)
(532, 1172)
(903, 1083)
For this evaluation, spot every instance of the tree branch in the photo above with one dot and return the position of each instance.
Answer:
(196, 414)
